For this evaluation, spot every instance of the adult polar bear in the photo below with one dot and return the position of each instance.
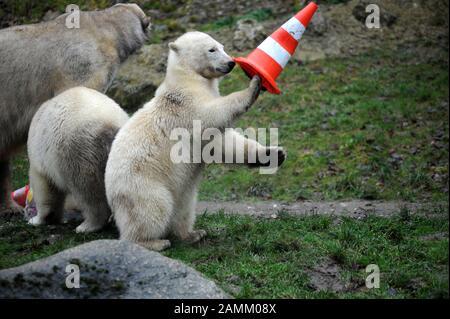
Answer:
(68, 146)
(39, 61)
(150, 196)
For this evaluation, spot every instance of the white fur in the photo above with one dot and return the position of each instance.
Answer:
(150, 196)
(69, 140)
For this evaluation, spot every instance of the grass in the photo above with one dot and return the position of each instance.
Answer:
(372, 127)
(20, 243)
(229, 21)
(276, 258)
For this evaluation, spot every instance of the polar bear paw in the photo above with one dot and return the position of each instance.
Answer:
(88, 227)
(196, 236)
(282, 155)
(36, 221)
(255, 89)
(156, 245)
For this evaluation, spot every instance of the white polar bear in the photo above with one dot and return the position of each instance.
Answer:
(68, 145)
(152, 197)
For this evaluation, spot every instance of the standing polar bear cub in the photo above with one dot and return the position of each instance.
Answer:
(68, 145)
(150, 195)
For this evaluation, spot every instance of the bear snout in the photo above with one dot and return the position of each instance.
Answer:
(228, 67)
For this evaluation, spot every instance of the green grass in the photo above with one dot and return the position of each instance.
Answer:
(274, 258)
(20, 170)
(373, 127)
(21, 243)
(229, 21)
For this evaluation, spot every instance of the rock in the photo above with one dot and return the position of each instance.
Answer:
(318, 25)
(235, 290)
(314, 48)
(50, 15)
(248, 35)
(392, 292)
(309, 55)
(435, 236)
(139, 77)
(359, 12)
(217, 10)
(108, 269)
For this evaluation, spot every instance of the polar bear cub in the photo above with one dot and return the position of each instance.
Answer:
(152, 197)
(68, 145)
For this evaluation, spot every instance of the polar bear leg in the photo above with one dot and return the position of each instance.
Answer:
(144, 217)
(221, 111)
(248, 151)
(95, 217)
(184, 217)
(49, 200)
(71, 204)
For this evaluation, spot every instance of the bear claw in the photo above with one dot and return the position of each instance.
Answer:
(196, 236)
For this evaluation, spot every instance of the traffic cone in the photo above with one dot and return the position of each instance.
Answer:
(20, 195)
(269, 59)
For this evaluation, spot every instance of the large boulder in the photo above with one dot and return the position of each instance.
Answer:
(139, 77)
(108, 269)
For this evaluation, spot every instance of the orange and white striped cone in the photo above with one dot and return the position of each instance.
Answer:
(271, 56)
(20, 195)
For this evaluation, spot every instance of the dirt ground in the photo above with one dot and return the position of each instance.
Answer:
(355, 208)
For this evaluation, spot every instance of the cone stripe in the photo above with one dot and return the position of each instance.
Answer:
(305, 15)
(272, 66)
(285, 40)
(295, 28)
(275, 51)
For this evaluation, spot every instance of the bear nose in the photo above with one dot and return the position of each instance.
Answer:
(231, 64)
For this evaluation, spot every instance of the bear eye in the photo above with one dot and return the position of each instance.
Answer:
(212, 50)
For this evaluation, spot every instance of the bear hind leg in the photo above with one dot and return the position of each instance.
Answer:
(144, 218)
(95, 216)
(182, 226)
(48, 198)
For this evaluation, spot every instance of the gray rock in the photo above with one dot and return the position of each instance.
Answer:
(360, 14)
(139, 77)
(248, 35)
(50, 15)
(318, 24)
(216, 10)
(108, 269)
(308, 54)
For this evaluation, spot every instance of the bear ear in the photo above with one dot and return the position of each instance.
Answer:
(173, 47)
(146, 22)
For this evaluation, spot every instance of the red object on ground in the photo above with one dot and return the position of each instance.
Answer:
(271, 56)
(20, 195)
